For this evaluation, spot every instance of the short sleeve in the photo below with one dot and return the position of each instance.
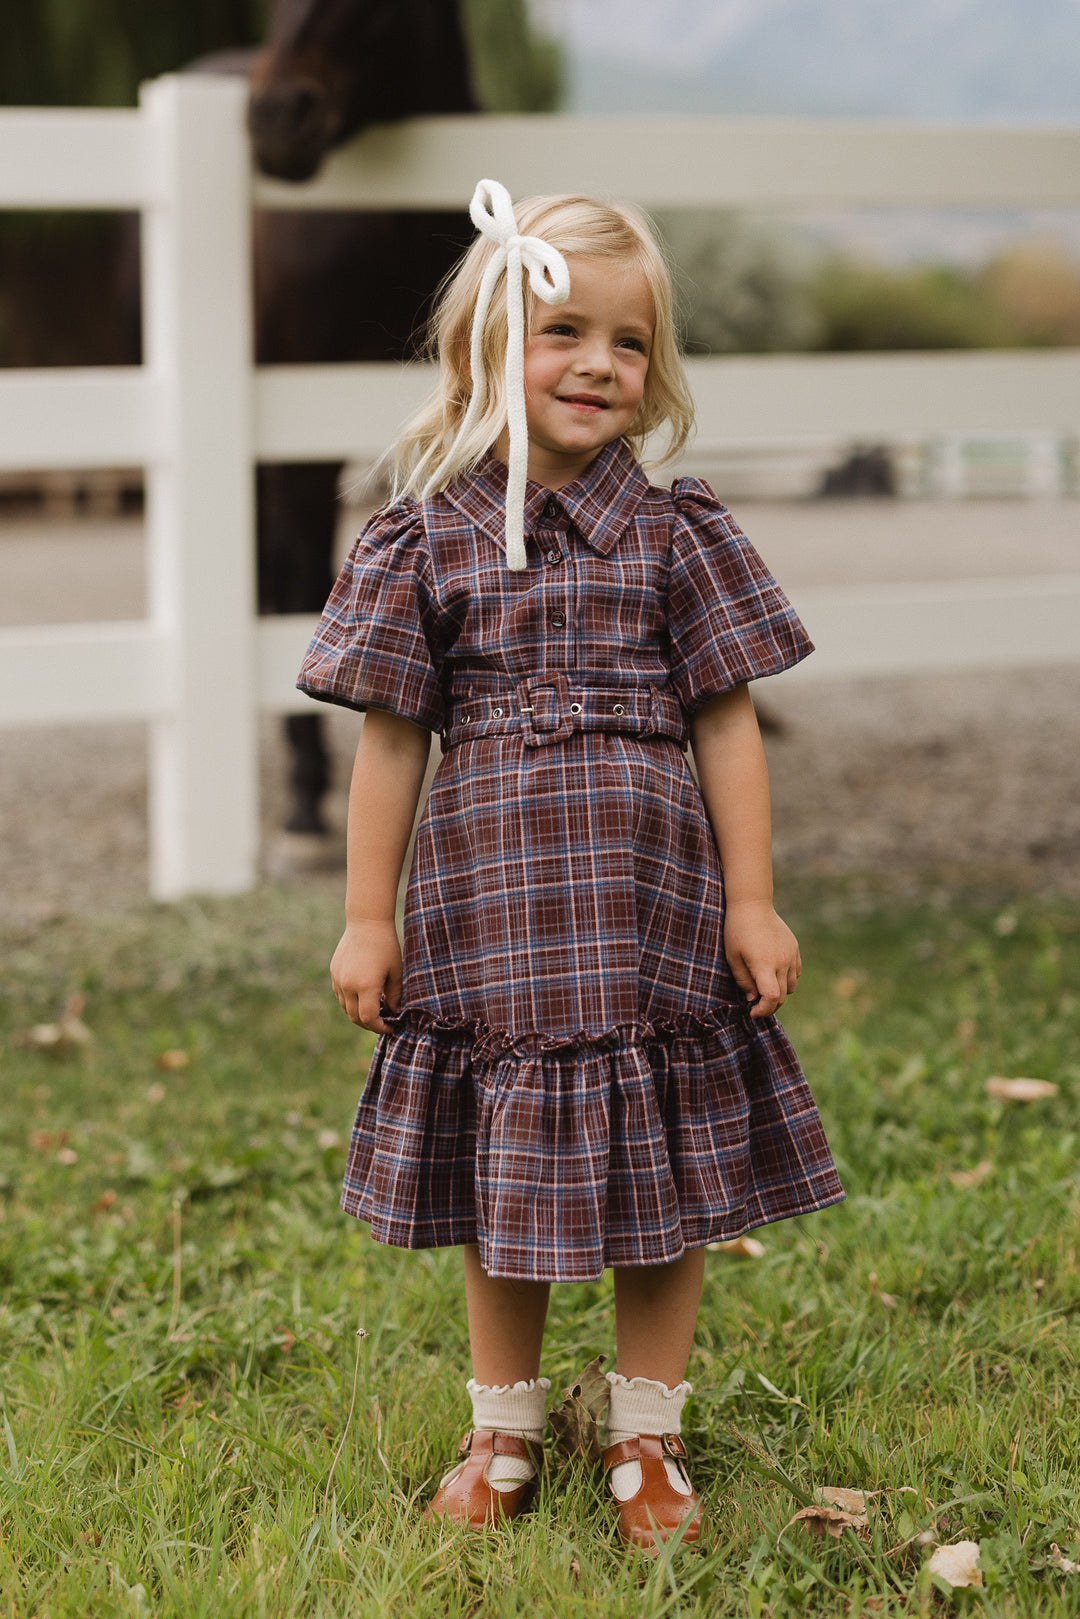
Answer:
(374, 645)
(728, 619)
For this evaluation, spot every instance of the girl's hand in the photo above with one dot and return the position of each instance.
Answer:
(366, 966)
(763, 954)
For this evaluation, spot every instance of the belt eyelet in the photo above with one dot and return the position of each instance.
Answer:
(496, 713)
(575, 708)
(618, 709)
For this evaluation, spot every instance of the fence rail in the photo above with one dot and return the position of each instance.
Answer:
(197, 415)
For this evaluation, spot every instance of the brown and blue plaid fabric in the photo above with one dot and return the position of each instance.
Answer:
(574, 1079)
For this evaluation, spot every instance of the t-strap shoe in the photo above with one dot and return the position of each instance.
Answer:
(465, 1496)
(657, 1511)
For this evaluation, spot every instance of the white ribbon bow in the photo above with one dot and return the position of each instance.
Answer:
(492, 213)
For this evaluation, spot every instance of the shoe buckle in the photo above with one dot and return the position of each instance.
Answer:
(673, 1446)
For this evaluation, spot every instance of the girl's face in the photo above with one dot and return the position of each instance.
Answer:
(585, 368)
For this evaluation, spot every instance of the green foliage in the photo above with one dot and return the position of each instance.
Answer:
(73, 53)
(514, 68)
(742, 283)
(866, 306)
(189, 1424)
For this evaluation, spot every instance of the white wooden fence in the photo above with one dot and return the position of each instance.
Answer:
(198, 414)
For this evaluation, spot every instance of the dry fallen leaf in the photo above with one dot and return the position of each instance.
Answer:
(47, 1140)
(155, 1093)
(971, 1177)
(104, 1202)
(742, 1247)
(1060, 1563)
(576, 1421)
(68, 1032)
(68, 1156)
(173, 1059)
(957, 1565)
(1020, 1090)
(835, 1510)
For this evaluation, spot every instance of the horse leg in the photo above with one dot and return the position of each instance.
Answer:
(297, 519)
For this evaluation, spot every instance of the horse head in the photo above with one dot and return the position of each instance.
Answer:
(332, 67)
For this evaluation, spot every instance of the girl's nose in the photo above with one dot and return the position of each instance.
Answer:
(595, 358)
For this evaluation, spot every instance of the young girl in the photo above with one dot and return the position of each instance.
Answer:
(578, 1065)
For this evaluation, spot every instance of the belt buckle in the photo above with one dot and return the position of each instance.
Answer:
(543, 701)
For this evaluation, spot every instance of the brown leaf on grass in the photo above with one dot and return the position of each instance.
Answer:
(1060, 1563)
(67, 1156)
(957, 1565)
(741, 1247)
(102, 1204)
(66, 1034)
(834, 1510)
(171, 1060)
(971, 1177)
(577, 1420)
(48, 1140)
(1020, 1090)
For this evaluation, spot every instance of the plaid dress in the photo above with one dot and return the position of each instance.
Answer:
(574, 1079)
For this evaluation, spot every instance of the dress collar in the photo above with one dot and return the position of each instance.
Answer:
(601, 503)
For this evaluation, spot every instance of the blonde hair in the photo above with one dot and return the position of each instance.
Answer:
(429, 454)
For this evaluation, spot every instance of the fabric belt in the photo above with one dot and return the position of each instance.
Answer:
(547, 708)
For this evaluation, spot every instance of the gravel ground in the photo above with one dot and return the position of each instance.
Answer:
(966, 776)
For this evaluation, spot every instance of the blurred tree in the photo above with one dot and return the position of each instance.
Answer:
(742, 283)
(872, 307)
(1037, 285)
(515, 69)
(97, 52)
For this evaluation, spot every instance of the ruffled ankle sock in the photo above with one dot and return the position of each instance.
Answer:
(639, 1405)
(511, 1408)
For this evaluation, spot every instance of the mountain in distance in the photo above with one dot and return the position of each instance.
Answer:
(972, 60)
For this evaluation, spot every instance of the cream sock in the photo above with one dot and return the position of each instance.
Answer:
(512, 1408)
(638, 1405)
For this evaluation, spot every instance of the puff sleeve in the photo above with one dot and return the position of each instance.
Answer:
(728, 619)
(375, 644)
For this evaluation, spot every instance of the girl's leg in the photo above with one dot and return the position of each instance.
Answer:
(506, 1328)
(506, 1324)
(656, 1311)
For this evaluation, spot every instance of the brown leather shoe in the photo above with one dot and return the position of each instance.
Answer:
(657, 1511)
(467, 1498)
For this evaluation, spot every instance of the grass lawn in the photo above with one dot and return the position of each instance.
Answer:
(191, 1425)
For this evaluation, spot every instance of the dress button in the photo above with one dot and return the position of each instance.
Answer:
(551, 511)
(558, 620)
(554, 556)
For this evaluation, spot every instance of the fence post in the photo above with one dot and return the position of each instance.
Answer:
(197, 330)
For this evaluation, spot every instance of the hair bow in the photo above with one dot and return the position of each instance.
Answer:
(492, 213)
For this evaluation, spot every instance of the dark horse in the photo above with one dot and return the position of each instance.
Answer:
(339, 286)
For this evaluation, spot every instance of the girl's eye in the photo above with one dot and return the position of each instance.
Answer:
(559, 330)
(632, 343)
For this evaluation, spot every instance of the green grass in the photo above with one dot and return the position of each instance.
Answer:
(180, 1296)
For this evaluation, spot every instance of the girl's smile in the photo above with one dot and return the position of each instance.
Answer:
(585, 368)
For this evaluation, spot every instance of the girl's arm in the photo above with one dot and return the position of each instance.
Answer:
(391, 758)
(762, 951)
